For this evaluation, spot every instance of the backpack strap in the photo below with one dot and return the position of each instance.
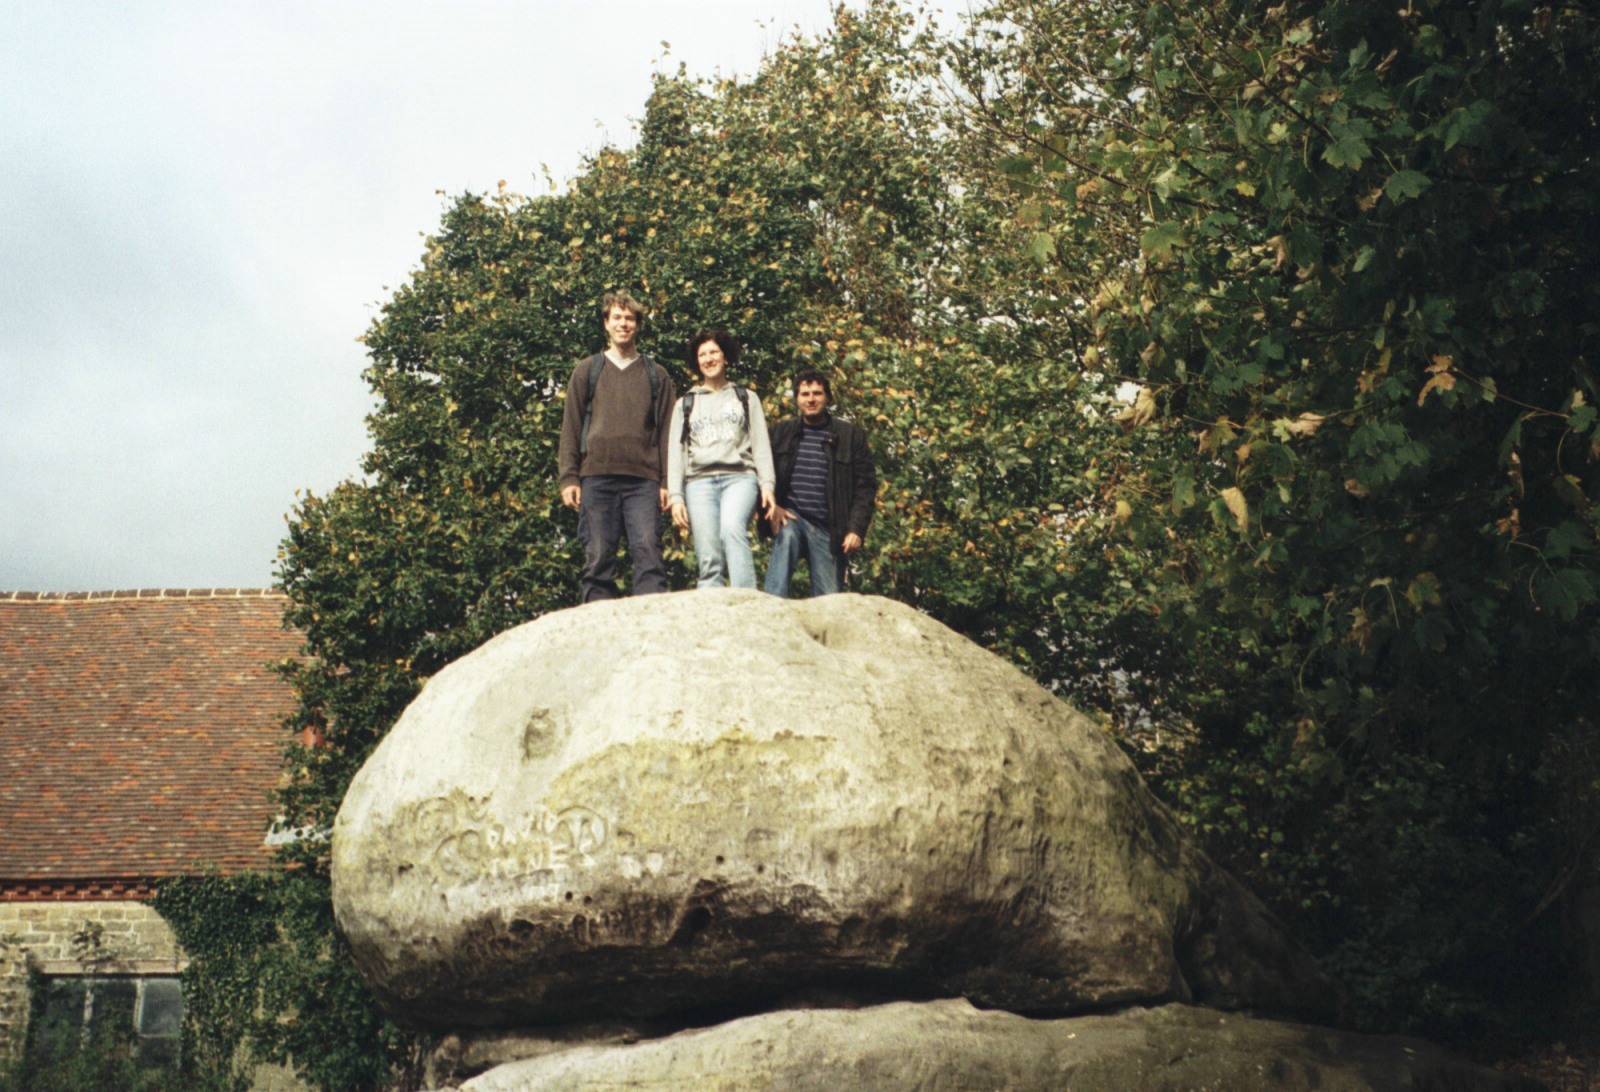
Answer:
(687, 401)
(597, 364)
(652, 372)
(688, 407)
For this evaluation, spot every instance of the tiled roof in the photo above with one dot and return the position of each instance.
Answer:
(140, 732)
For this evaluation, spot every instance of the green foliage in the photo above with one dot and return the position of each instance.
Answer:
(104, 1055)
(225, 925)
(269, 981)
(1336, 247)
(105, 1061)
(816, 211)
(1331, 567)
(1397, 873)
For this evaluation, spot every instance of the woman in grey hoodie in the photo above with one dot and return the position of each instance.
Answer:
(718, 462)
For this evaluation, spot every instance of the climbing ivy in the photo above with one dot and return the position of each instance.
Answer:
(1226, 368)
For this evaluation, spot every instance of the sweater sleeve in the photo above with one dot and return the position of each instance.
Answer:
(569, 458)
(761, 445)
(675, 459)
(666, 402)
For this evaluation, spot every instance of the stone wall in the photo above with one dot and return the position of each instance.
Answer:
(133, 939)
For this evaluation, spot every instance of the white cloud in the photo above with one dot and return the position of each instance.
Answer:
(200, 206)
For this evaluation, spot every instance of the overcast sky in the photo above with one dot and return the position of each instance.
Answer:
(201, 206)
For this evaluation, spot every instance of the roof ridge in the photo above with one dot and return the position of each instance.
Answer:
(141, 593)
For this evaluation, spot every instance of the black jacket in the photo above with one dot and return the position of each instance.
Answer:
(852, 481)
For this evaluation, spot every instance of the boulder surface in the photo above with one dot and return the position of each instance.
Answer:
(951, 1045)
(702, 803)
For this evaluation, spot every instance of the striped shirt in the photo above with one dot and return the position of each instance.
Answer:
(808, 484)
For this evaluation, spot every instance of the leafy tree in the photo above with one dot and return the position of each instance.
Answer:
(817, 212)
(1332, 248)
(1338, 246)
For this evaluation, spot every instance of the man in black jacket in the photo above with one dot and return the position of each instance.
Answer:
(827, 490)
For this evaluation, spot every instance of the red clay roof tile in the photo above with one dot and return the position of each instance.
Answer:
(140, 732)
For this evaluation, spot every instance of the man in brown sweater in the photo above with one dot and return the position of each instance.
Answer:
(613, 455)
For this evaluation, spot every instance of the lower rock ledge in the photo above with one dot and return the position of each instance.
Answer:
(951, 1045)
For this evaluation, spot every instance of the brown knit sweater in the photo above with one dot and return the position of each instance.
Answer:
(619, 442)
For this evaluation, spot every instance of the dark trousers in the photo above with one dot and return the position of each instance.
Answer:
(614, 505)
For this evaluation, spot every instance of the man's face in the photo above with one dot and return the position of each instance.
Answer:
(812, 399)
(622, 327)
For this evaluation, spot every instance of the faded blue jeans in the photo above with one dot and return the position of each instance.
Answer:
(720, 506)
(802, 537)
(613, 505)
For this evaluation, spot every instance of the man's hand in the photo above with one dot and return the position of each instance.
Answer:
(680, 516)
(571, 495)
(851, 543)
(778, 517)
(666, 500)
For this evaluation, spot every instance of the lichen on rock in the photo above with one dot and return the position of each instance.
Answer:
(668, 806)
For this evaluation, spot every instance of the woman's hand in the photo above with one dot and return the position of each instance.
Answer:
(769, 504)
(680, 516)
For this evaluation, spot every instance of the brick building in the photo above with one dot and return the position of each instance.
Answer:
(140, 738)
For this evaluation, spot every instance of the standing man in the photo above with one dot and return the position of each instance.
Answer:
(613, 455)
(827, 490)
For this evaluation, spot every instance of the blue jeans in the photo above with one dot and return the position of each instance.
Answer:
(614, 504)
(801, 536)
(719, 517)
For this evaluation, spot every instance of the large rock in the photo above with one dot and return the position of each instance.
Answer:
(705, 802)
(951, 1045)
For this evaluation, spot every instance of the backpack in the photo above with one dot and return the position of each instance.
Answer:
(688, 408)
(596, 364)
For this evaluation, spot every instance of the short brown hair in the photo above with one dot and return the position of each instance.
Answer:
(623, 299)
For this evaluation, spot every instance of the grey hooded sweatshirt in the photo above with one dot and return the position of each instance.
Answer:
(718, 441)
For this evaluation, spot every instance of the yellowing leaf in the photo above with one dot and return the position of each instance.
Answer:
(1423, 591)
(1140, 412)
(1360, 628)
(1239, 508)
(1304, 425)
(1441, 381)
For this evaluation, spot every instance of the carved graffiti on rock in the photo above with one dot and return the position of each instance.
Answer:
(455, 836)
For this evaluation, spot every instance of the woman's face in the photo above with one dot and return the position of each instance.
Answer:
(713, 365)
